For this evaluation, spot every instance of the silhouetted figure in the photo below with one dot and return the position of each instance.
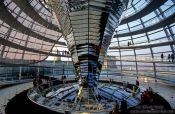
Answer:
(58, 52)
(147, 97)
(49, 81)
(99, 98)
(137, 83)
(35, 82)
(62, 52)
(150, 92)
(172, 57)
(169, 57)
(162, 56)
(67, 52)
(142, 100)
(115, 109)
(123, 106)
(40, 81)
(124, 85)
(62, 78)
(128, 43)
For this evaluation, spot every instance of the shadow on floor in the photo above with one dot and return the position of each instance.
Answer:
(20, 104)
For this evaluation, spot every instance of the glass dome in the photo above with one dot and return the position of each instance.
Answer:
(142, 45)
(145, 38)
(86, 54)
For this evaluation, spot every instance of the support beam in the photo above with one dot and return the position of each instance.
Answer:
(29, 10)
(169, 20)
(9, 19)
(14, 45)
(153, 5)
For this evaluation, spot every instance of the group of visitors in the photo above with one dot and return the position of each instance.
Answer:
(123, 107)
(63, 78)
(170, 57)
(64, 52)
(147, 97)
(42, 80)
(129, 43)
(37, 81)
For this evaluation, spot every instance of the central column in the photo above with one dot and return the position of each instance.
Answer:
(88, 26)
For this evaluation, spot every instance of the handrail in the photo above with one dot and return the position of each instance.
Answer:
(147, 60)
(127, 73)
(143, 46)
(143, 42)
